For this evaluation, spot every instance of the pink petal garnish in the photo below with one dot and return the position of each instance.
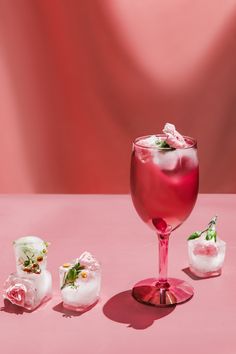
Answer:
(173, 137)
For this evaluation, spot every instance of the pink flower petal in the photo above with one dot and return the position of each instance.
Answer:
(16, 294)
(173, 137)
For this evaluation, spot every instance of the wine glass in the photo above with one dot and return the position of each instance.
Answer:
(164, 188)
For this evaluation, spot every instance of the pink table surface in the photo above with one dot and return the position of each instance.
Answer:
(109, 227)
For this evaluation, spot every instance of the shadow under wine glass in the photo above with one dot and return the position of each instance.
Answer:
(122, 308)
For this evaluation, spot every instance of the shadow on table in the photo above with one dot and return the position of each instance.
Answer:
(123, 308)
(10, 308)
(70, 313)
(195, 277)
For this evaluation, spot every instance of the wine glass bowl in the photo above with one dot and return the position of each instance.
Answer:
(164, 188)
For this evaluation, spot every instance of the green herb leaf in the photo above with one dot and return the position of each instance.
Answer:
(210, 231)
(78, 266)
(72, 275)
(26, 263)
(162, 144)
(194, 235)
(211, 234)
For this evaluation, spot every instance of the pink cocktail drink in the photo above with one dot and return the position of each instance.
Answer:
(164, 188)
(164, 183)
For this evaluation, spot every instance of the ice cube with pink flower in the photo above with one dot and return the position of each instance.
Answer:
(80, 282)
(206, 257)
(31, 284)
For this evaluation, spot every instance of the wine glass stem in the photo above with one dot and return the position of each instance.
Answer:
(163, 239)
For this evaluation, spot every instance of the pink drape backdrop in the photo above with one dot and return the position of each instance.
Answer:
(80, 79)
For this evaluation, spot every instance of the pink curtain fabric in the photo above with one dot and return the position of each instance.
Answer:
(81, 79)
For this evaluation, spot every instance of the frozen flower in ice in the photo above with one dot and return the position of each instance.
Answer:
(173, 138)
(89, 261)
(31, 254)
(16, 294)
(86, 275)
(20, 291)
(80, 282)
(206, 251)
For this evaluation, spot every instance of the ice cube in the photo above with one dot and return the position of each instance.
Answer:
(141, 151)
(188, 158)
(149, 141)
(166, 160)
(31, 285)
(206, 257)
(144, 155)
(28, 292)
(83, 289)
(30, 250)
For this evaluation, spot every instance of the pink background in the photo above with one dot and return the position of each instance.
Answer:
(80, 79)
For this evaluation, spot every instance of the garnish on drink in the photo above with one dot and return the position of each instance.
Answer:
(173, 138)
(170, 139)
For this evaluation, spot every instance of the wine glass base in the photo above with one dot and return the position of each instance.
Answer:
(151, 292)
